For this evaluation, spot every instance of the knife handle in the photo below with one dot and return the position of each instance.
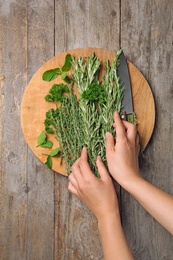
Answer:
(123, 115)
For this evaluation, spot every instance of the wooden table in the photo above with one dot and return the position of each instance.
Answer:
(39, 219)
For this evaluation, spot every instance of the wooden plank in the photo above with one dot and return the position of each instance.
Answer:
(80, 24)
(13, 195)
(40, 226)
(27, 188)
(146, 36)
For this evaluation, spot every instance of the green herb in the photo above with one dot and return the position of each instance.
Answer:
(47, 144)
(54, 73)
(65, 122)
(56, 93)
(43, 142)
(65, 77)
(132, 118)
(56, 152)
(95, 92)
(67, 63)
(98, 102)
(83, 122)
(48, 162)
(41, 138)
(51, 74)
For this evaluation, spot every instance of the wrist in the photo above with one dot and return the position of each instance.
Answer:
(109, 219)
(130, 183)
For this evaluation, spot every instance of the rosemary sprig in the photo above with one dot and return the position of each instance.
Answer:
(88, 72)
(114, 89)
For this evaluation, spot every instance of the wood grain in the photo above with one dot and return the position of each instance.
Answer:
(39, 219)
(40, 181)
(13, 196)
(34, 106)
(26, 220)
(146, 40)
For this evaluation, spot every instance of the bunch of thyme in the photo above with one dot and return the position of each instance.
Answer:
(65, 123)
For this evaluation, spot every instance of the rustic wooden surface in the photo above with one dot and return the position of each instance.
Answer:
(39, 219)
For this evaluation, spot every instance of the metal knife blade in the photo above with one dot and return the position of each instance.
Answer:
(123, 73)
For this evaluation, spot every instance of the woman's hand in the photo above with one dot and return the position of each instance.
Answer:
(97, 193)
(122, 153)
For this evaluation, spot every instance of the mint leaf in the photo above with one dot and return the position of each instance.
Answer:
(55, 152)
(67, 63)
(41, 138)
(48, 162)
(65, 77)
(47, 144)
(51, 74)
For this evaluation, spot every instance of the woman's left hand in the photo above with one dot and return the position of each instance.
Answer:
(97, 193)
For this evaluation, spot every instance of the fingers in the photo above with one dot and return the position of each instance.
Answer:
(76, 175)
(131, 130)
(80, 171)
(110, 142)
(73, 180)
(84, 154)
(124, 128)
(102, 169)
(82, 175)
(84, 165)
(72, 189)
(120, 130)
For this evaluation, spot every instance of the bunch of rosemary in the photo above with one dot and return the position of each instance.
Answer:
(83, 121)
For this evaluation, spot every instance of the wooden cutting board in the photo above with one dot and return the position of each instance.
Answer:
(34, 106)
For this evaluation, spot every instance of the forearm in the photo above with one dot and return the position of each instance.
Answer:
(158, 203)
(113, 240)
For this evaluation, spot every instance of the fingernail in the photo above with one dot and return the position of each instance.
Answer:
(99, 157)
(107, 134)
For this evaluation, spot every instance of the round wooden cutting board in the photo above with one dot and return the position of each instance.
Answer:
(34, 105)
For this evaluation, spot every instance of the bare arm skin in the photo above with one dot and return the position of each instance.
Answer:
(122, 155)
(100, 197)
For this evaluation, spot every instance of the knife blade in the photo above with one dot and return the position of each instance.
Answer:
(123, 73)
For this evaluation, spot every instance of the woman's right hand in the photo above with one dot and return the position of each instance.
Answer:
(122, 153)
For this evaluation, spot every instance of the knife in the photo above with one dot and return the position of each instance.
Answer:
(123, 73)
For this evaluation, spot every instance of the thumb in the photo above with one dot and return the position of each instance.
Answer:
(102, 168)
